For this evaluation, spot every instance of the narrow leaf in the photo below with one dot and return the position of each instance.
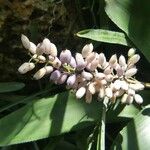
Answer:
(10, 86)
(136, 134)
(104, 36)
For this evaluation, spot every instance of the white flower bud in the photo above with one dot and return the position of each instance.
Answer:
(47, 46)
(53, 50)
(87, 75)
(131, 92)
(122, 61)
(49, 69)
(137, 86)
(113, 59)
(120, 71)
(41, 59)
(25, 67)
(124, 98)
(65, 56)
(80, 61)
(138, 98)
(56, 63)
(92, 88)
(109, 77)
(40, 74)
(94, 64)
(108, 92)
(117, 85)
(40, 49)
(80, 92)
(87, 49)
(130, 72)
(90, 57)
(108, 70)
(131, 52)
(32, 48)
(101, 92)
(25, 41)
(51, 58)
(103, 82)
(134, 59)
(102, 59)
(130, 99)
(99, 75)
(124, 85)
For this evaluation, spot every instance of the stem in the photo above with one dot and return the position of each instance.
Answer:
(101, 134)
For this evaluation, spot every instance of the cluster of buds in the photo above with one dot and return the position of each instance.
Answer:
(88, 73)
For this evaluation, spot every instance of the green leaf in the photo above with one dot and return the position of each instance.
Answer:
(136, 134)
(104, 36)
(10, 86)
(47, 117)
(133, 18)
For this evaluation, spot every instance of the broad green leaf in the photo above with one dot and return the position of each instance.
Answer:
(136, 134)
(133, 17)
(47, 117)
(104, 36)
(10, 86)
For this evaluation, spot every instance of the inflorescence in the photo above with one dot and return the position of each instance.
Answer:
(88, 73)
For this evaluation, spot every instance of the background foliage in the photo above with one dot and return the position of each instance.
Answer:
(41, 110)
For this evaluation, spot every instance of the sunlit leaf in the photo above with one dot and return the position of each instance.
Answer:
(47, 117)
(10, 86)
(136, 134)
(104, 36)
(133, 18)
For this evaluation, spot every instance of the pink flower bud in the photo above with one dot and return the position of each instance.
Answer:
(138, 98)
(94, 64)
(62, 79)
(109, 77)
(86, 75)
(25, 41)
(73, 62)
(80, 62)
(71, 80)
(120, 71)
(108, 70)
(130, 72)
(55, 76)
(80, 92)
(65, 56)
(25, 67)
(40, 74)
(87, 49)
